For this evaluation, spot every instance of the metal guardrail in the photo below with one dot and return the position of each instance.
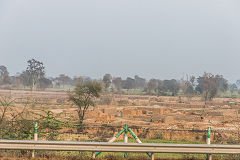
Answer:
(118, 147)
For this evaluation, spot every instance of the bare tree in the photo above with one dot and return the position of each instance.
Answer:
(5, 104)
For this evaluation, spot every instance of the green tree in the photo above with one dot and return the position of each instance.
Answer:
(161, 88)
(222, 83)
(117, 82)
(64, 79)
(107, 80)
(140, 82)
(83, 96)
(233, 88)
(209, 85)
(172, 86)
(4, 76)
(238, 83)
(22, 79)
(35, 71)
(188, 86)
(129, 83)
(152, 86)
(77, 80)
(49, 125)
(45, 83)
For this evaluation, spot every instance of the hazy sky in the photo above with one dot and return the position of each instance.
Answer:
(152, 38)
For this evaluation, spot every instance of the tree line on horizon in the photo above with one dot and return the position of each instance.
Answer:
(85, 92)
(34, 78)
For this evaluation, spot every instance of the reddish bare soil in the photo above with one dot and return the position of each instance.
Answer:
(178, 114)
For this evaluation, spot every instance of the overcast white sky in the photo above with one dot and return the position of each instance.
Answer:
(152, 38)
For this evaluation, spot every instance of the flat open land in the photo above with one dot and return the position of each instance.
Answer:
(173, 118)
(154, 119)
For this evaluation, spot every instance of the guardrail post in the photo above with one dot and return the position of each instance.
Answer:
(209, 156)
(152, 156)
(126, 138)
(138, 140)
(93, 155)
(111, 140)
(35, 137)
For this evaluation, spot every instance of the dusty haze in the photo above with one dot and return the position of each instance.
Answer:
(151, 38)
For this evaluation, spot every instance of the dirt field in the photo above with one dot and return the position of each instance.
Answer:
(154, 119)
(183, 116)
